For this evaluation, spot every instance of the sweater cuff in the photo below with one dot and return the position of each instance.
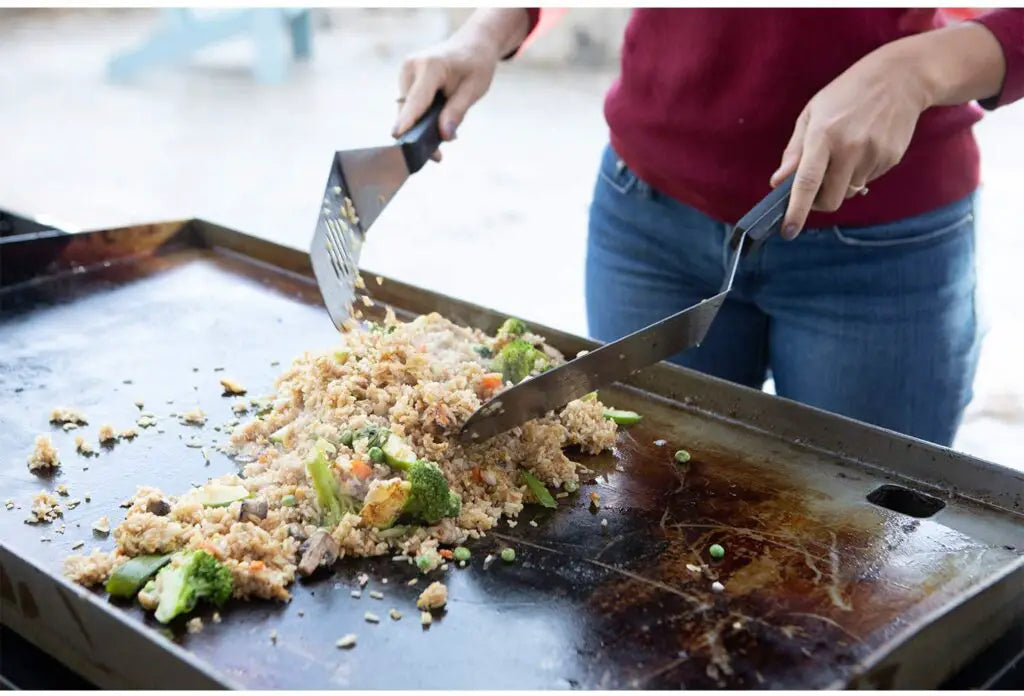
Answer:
(1007, 25)
(534, 14)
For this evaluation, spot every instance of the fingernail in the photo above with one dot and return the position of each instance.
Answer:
(789, 231)
(449, 129)
(394, 130)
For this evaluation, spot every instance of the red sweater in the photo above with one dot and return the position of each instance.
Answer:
(707, 99)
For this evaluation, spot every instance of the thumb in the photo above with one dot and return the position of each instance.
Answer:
(791, 155)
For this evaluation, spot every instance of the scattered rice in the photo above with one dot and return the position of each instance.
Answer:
(9, 503)
(356, 594)
(45, 508)
(434, 596)
(129, 434)
(240, 407)
(194, 625)
(376, 595)
(426, 618)
(61, 489)
(44, 457)
(717, 587)
(231, 387)
(194, 417)
(346, 641)
(84, 447)
(93, 569)
(101, 526)
(68, 427)
(371, 617)
(395, 614)
(61, 415)
(146, 421)
(107, 434)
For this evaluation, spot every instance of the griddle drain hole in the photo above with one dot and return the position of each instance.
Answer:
(905, 501)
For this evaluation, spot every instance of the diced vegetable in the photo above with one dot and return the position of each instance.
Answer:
(396, 452)
(217, 495)
(461, 553)
(333, 504)
(384, 502)
(361, 469)
(347, 436)
(716, 551)
(508, 554)
(589, 397)
(517, 360)
(288, 501)
(341, 356)
(682, 456)
(197, 575)
(129, 578)
(491, 381)
(571, 486)
(376, 454)
(482, 351)
(623, 417)
(539, 491)
(280, 434)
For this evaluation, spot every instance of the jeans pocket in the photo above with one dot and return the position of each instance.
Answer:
(916, 230)
(616, 174)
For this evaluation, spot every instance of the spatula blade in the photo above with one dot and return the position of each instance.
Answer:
(610, 363)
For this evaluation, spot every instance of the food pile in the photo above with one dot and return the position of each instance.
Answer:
(355, 454)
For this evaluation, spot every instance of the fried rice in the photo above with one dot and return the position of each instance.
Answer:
(420, 379)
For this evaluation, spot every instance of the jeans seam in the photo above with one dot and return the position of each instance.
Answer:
(925, 237)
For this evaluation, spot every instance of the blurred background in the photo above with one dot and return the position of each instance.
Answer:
(112, 117)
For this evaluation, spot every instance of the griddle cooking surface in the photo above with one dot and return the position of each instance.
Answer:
(816, 578)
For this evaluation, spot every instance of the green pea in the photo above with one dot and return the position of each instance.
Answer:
(716, 551)
(288, 501)
(682, 456)
(508, 554)
(571, 486)
(347, 436)
(423, 563)
(461, 553)
(376, 454)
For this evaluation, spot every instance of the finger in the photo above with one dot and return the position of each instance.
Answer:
(465, 94)
(791, 155)
(806, 184)
(836, 184)
(428, 78)
(437, 155)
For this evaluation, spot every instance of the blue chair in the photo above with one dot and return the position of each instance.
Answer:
(184, 31)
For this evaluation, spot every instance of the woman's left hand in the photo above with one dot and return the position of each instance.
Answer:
(851, 132)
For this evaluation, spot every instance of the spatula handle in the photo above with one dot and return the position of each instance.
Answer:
(766, 217)
(423, 139)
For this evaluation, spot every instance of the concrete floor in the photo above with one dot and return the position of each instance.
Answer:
(208, 141)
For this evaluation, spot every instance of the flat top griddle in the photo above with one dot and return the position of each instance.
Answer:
(823, 586)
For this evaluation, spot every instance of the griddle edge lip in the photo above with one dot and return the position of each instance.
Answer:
(138, 630)
(865, 666)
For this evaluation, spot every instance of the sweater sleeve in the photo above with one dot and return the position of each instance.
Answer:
(1007, 25)
(534, 14)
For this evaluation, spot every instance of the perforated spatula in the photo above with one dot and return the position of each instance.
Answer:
(360, 184)
(534, 397)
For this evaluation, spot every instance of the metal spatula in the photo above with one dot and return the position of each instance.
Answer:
(360, 184)
(614, 361)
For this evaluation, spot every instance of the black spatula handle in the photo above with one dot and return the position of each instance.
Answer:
(423, 139)
(766, 217)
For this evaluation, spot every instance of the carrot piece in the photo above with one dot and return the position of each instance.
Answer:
(361, 469)
(476, 474)
(445, 554)
(491, 381)
(256, 566)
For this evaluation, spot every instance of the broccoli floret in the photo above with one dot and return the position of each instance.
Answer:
(517, 360)
(190, 576)
(513, 327)
(333, 504)
(430, 498)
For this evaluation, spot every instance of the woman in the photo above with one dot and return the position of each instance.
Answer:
(865, 306)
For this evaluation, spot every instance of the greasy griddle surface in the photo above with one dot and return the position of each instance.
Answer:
(815, 577)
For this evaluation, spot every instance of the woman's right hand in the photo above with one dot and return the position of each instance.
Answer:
(461, 66)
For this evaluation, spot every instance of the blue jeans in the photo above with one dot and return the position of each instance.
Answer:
(875, 323)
